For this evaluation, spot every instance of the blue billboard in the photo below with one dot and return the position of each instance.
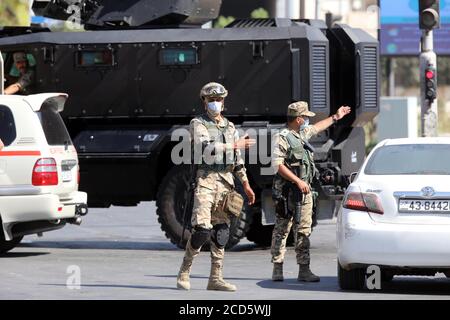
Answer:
(400, 33)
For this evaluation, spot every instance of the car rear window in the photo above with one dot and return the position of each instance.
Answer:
(7, 126)
(426, 159)
(54, 129)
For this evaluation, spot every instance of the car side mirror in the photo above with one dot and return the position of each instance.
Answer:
(352, 177)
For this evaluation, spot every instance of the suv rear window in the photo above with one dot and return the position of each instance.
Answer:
(7, 126)
(54, 129)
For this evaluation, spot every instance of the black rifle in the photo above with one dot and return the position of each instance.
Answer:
(189, 200)
(297, 194)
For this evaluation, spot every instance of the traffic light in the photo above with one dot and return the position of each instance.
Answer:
(430, 84)
(429, 14)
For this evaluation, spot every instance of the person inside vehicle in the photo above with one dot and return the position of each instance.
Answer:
(25, 75)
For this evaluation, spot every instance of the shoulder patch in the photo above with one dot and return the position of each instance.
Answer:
(284, 132)
(196, 119)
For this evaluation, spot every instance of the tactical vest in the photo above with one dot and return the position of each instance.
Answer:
(227, 160)
(297, 154)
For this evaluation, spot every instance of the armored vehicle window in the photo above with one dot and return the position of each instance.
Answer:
(178, 56)
(7, 126)
(54, 129)
(95, 58)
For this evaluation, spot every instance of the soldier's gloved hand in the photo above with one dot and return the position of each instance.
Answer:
(249, 192)
(303, 186)
(244, 143)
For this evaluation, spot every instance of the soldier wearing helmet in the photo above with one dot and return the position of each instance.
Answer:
(293, 150)
(220, 144)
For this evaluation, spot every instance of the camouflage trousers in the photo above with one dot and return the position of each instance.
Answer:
(208, 196)
(302, 231)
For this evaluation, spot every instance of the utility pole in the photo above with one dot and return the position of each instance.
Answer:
(428, 20)
(302, 9)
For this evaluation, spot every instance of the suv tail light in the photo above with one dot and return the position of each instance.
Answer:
(363, 202)
(45, 172)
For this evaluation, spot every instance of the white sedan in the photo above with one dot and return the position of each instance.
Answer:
(396, 212)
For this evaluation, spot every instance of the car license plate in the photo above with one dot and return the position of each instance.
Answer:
(66, 176)
(424, 205)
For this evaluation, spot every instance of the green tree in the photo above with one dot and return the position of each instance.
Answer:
(222, 21)
(14, 13)
(259, 13)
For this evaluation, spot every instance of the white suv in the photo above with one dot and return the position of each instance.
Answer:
(39, 170)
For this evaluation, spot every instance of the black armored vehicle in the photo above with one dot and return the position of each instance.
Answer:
(134, 75)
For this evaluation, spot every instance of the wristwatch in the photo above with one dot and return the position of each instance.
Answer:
(335, 118)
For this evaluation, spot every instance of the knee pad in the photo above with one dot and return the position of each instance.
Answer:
(199, 237)
(220, 235)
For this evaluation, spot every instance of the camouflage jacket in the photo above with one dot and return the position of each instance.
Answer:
(213, 147)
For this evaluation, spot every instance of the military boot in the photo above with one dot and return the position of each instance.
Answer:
(305, 274)
(277, 274)
(185, 269)
(216, 281)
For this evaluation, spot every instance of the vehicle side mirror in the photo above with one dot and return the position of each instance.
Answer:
(352, 177)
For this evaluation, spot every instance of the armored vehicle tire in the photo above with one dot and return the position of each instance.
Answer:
(351, 279)
(170, 202)
(6, 246)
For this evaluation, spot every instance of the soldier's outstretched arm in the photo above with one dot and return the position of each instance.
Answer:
(244, 143)
(325, 123)
(200, 135)
(240, 170)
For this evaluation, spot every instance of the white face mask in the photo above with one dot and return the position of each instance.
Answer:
(305, 124)
(215, 107)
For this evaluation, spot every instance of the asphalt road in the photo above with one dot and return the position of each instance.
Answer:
(121, 253)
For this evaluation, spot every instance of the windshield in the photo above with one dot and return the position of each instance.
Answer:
(427, 159)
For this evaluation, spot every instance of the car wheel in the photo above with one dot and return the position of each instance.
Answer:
(171, 199)
(351, 279)
(6, 246)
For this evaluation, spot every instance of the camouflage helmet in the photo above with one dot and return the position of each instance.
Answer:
(213, 89)
(298, 109)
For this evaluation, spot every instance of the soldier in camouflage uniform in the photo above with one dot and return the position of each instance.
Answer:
(217, 142)
(292, 149)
